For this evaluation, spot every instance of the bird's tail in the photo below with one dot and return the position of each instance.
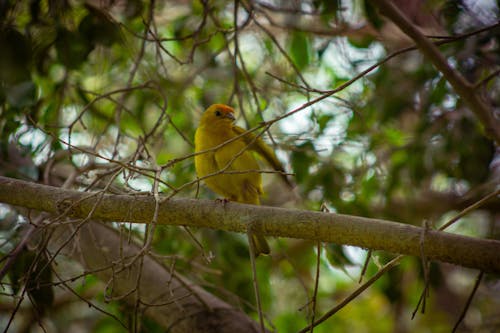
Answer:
(260, 245)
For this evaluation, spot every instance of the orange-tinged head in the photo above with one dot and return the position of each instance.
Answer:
(217, 114)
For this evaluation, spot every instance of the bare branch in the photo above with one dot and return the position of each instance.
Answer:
(167, 297)
(463, 88)
(483, 254)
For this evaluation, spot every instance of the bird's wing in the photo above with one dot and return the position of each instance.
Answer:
(237, 154)
(241, 175)
(264, 150)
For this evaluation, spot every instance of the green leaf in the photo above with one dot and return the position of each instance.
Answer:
(393, 136)
(361, 41)
(336, 256)
(301, 160)
(300, 49)
(323, 121)
(438, 92)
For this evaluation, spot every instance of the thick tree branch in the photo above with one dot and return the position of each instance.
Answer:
(174, 302)
(483, 254)
(463, 88)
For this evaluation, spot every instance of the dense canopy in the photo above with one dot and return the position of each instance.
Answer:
(387, 110)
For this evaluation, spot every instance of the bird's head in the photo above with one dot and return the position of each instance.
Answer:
(218, 114)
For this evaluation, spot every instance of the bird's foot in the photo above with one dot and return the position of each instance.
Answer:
(223, 201)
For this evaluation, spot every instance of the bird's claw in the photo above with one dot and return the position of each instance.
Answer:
(223, 201)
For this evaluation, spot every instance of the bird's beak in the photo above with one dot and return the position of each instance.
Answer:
(230, 115)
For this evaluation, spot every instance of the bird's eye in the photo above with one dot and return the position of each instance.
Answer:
(217, 113)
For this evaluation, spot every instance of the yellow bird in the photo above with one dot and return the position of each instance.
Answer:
(234, 168)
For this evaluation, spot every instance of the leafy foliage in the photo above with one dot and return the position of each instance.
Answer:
(108, 94)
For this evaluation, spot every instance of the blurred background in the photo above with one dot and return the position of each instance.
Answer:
(100, 94)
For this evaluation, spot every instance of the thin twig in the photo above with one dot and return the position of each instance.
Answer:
(464, 212)
(486, 79)
(365, 265)
(469, 209)
(316, 286)
(425, 263)
(462, 87)
(469, 301)
(356, 293)
(251, 247)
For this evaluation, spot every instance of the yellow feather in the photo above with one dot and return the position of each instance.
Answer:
(233, 166)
